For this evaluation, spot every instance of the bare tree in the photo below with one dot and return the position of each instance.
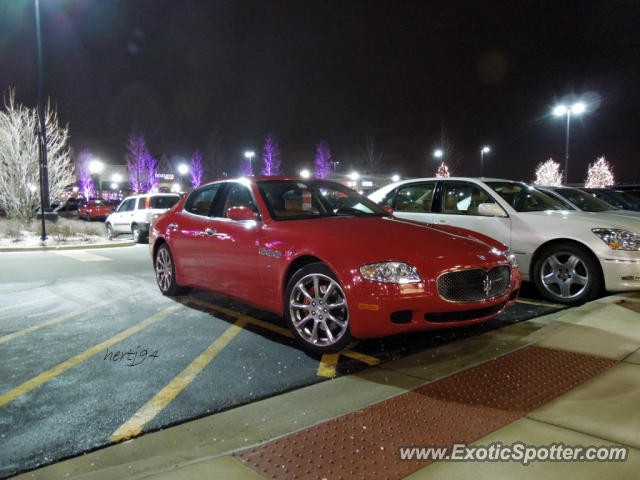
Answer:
(372, 156)
(19, 172)
(450, 154)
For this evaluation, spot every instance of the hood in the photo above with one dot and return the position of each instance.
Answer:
(378, 239)
(589, 220)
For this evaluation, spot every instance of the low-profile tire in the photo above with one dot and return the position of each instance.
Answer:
(110, 233)
(166, 272)
(567, 273)
(138, 235)
(316, 310)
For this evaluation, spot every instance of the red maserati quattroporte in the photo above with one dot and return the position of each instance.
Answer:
(335, 264)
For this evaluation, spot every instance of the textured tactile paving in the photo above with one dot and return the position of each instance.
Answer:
(457, 409)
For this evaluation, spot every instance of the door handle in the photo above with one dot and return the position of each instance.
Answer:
(444, 222)
(209, 231)
(172, 226)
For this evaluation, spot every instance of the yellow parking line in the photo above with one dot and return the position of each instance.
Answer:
(62, 318)
(328, 362)
(73, 361)
(26, 304)
(153, 407)
(540, 304)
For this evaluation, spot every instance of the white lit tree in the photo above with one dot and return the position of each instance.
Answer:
(19, 165)
(599, 174)
(548, 174)
(443, 171)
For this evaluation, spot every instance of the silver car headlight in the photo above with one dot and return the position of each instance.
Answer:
(618, 239)
(390, 272)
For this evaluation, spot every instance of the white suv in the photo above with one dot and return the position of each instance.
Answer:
(135, 213)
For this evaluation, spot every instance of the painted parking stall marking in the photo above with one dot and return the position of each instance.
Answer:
(44, 377)
(153, 407)
(62, 318)
(328, 362)
(83, 256)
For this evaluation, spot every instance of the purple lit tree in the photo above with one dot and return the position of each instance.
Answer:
(85, 182)
(271, 156)
(196, 169)
(141, 165)
(323, 160)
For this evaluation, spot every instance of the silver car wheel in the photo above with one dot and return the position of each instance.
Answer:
(164, 269)
(318, 309)
(564, 275)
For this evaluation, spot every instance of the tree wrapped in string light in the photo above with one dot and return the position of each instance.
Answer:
(196, 168)
(599, 175)
(85, 182)
(548, 174)
(141, 165)
(271, 156)
(323, 160)
(443, 171)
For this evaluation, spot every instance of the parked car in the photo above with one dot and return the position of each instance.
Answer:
(332, 262)
(95, 209)
(617, 198)
(576, 199)
(135, 213)
(67, 207)
(569, 255)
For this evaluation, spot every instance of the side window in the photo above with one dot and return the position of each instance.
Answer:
(127, 205)
(387, 200)
(238, 195)
(459, 198)
(415, 198)
(141, 203)
(200, 200)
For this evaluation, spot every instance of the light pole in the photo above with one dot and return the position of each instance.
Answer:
(483, 150)
(249, 154)
(42, 140)
(559, 111)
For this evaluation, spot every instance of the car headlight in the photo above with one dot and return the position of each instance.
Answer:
(618, 239)
(390, 272)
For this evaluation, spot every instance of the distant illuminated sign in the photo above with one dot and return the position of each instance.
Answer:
(165, 176)
(367, 183)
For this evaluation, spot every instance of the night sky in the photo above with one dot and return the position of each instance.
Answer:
(186, 72)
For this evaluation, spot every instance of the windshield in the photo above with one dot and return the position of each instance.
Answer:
(304, 199)
(583, 200)
(524, 198)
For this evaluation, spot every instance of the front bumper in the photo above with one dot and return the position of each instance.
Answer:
(621, 270)
(379, 310)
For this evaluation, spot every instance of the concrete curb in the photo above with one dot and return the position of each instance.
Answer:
(68, 247)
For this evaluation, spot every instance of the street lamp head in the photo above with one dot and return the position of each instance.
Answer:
(183, 169)
(95, 166)
(438, 153)
(249, 154)
(486, 149)
(304, 173)
(578, 108)
(560, 110)
(354, 176)
(395, 178)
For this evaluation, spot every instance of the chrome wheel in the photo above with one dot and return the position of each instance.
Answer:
(110, 233)
(318, 310)
(564, 275)
(135, 233)
(164, 269)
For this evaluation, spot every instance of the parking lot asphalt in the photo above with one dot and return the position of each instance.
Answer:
(91, 353)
